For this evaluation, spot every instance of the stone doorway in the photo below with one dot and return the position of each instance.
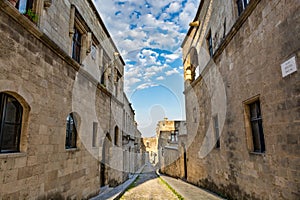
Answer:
(104, 167)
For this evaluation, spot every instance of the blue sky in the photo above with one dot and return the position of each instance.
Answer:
(148, 34)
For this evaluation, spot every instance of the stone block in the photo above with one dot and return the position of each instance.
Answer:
(24, 172)
(10, 176)
(20, 162)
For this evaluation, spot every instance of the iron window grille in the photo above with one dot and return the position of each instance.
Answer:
(76, 44)
(217, 133)
(256, 127)
(209, 44)
(11, 113)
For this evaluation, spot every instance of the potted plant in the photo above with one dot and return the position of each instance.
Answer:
(31, 15)
(13, 2)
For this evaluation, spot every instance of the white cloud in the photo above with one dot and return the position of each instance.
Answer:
(171, 72)
(160, 78)
(145, 86)
(133, 80)
(153, 71)
(174, 7)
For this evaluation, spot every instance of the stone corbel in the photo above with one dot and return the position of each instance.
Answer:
(72, 20)
(47, 3)
(89, 42)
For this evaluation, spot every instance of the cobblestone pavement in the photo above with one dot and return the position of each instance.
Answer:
(148, 186)
(189, 191)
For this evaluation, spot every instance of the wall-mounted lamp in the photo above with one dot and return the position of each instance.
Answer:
(195, 23)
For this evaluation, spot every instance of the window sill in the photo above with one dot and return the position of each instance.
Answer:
(257, 153)
(72, 149)
(13, 155)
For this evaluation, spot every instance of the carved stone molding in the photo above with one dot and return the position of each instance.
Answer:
(47, 3)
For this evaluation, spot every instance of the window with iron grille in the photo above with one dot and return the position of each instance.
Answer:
(209, 44)
(71, 132)
(217, 133)
(11, 122)
(95, 128)
(242, 4)
(76, 44)
(256, 127)
(116, 136)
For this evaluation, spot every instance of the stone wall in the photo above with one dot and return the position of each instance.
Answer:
(36, 68)
(246, 64)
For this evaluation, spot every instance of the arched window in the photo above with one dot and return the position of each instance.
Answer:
(116, 135)
(10, 123)
(71, 132)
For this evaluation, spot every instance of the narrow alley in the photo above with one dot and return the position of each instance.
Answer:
(145, 99)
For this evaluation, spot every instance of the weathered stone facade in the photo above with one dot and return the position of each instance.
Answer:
(231, 61)
(131, 141)
(37, 69)
(172, 137)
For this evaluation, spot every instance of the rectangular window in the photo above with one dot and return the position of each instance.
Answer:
(253, 125)
(209, 44)
(256, 127)
(93, 51)
(76, 44)
(95, 128)
(217, 133)
(242, 4)
(24, 5)
(173, 137)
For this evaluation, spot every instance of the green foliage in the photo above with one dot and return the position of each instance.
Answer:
(172, 189)
(32, 16)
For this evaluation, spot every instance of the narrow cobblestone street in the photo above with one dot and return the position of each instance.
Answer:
(149, 186)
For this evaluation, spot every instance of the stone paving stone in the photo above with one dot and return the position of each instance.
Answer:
(188, 191)
(148, 186)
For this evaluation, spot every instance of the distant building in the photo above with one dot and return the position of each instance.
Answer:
(62, 105)
(171, 137)
(150, 144)
(241, 71)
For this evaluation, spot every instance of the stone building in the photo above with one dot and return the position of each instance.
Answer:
(242, 98)
(172, 137)
(131, 141)
(62, 102)
(150, 144)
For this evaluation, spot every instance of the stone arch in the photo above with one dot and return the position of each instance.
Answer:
(191, 67)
